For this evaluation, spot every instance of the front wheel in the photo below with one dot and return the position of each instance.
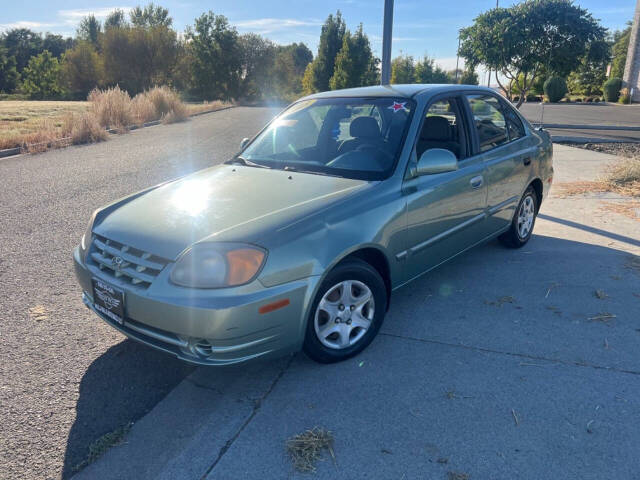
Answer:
(523, 221)
(347, 312)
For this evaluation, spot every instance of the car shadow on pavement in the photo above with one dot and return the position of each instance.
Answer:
(118, 388)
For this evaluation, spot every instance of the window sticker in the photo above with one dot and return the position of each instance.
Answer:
(398, 106)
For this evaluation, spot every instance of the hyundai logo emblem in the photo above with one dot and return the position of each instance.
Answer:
(116, 262)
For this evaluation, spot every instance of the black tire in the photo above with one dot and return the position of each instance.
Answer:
(512, 238)
(351, 269)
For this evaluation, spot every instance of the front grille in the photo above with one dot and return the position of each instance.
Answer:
(126, 263)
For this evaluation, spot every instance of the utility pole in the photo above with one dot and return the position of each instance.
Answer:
(386, 42)
(631, 77)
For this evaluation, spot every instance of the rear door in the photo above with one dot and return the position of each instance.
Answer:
(507, 152)
(445, 211)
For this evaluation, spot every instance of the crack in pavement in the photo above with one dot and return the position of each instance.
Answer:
(512, 354)
(256, 408)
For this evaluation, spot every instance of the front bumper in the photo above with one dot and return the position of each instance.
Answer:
(208, 327)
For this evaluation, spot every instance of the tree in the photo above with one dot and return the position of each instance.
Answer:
(8, 73)
(41, 77)
(137, 58)
(150, 16)
(321, 70)
(591, 73)
(258, 56)
(89, 30)
(403, 69)
(426, 71)
(527, 37)
(289, 66)
(216, 57)
(22, 44)
(619, 52)
(116, 19)
(56, 44)
(355, 65)
(469, 77)
(82, 69)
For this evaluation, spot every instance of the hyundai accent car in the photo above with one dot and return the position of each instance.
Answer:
(298, 240)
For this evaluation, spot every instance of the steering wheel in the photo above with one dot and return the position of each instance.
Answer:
(382, 162)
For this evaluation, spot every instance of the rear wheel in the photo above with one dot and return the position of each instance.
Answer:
(523, 221)
(347, 312)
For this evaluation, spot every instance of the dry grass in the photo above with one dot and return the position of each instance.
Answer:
(630, 208)
(83, 128)
(622, 178)
(112, 107)
(22, 122)
(36, 126)
(307, 448)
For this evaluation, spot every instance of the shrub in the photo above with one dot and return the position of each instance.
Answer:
(143, 109)
(555, 88)
(159, 103)
(112, 107)
(611, 89)
(625, 96)
(83, 128)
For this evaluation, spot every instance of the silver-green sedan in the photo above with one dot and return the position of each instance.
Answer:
(298, 241)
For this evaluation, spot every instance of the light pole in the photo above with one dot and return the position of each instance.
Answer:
(457, 57)
(385, 76)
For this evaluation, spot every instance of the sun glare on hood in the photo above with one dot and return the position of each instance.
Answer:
(192, 197)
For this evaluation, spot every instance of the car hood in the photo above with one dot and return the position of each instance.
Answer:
(222, 203)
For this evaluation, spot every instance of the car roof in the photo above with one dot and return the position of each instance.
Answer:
(401, 90)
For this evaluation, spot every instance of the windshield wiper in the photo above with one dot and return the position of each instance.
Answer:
(289, 168)
(243, 161)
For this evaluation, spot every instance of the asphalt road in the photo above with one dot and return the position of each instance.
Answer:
(586, 114)
(67, 379)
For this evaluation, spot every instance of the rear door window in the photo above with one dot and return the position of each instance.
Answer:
(489, 121)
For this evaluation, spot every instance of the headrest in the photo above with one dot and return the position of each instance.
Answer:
(436, 128)
(364, 127)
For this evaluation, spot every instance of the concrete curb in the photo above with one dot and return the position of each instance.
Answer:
(563, 126)
(570, 139)
(12, 152)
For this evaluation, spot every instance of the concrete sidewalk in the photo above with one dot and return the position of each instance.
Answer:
(498, 365)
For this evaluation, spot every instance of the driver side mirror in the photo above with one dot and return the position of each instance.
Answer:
(243, 143)
(436, 160)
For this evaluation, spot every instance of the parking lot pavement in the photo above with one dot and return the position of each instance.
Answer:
(501, 364)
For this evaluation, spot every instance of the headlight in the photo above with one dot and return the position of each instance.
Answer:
(217, 265)
(85, 241)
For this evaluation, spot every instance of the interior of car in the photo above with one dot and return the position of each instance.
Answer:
(442, 128)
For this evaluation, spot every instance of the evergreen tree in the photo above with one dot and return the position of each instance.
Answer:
(403, 69)
(320, 71)
(89, 30)
(355, 65)
(426, 71)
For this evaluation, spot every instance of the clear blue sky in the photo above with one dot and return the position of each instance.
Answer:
(419, 26)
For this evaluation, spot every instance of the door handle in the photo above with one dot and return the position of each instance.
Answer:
(527, 161)
(476, 182)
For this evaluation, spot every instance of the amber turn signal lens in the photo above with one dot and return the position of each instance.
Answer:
(243, 263)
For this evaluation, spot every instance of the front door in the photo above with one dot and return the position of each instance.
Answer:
(445, 211)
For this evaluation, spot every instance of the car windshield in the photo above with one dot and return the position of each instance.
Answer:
(348, 137)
